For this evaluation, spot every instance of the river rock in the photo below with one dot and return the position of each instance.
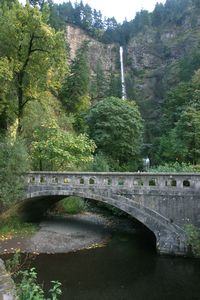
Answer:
(7, 287)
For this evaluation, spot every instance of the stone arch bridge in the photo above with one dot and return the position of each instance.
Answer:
(163, 202)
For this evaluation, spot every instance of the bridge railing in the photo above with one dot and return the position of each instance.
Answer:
(176, 181)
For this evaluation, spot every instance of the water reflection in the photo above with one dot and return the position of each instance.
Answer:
(127, 269)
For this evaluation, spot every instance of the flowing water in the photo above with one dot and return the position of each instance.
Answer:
(126, 269)
(122, 74)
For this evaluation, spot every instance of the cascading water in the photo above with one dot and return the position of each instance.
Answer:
(122, 74)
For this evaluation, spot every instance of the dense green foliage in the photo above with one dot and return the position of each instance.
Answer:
(181, 124)
(71, 205)
(193, 239)
(27, 286)
(173, 168)
(32, 54)
(75, 90)
(29, 289)
(116, 127)
(55, 149)
(13, 163)
(109, 30)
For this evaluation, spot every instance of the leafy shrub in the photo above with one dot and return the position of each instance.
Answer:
(174, 167)
(193, 239)
(72, 205)
(29, 289)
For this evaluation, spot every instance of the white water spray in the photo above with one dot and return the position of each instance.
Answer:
(122, 74)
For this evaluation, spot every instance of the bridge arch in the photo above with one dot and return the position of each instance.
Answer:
(169, 237)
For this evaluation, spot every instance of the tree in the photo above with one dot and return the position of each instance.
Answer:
(13, 163)
(36, 55)
(158, 14)
(176, 101)
(189, 64)
(37, 2)
(187, 136)
(115, 88)
(196, 3)
(55, 149)
(78, 10)
(182, 143)
(6, 76)
(97, 16)
(116, 127)
(87, 18)
(99, 85)
(74, 94)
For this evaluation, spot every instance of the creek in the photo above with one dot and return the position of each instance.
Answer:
(126, 268)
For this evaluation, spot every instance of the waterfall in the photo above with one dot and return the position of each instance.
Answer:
(122, 74)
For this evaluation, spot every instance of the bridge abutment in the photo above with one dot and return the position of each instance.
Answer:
(171, 243)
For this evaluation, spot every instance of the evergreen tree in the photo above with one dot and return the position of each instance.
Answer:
(100, 86)
(115, 89)
(78, 12)
(175, 103)
(158, 15)
(87, 18)
(97, 19)
(74, 94)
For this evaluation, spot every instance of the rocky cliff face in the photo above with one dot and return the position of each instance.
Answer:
(153, 64)
(154, 55)
(151, 59)
(105, 55)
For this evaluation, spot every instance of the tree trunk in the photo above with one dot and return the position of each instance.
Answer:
(20, 97)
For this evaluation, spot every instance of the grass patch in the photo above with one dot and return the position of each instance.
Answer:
(15, 227)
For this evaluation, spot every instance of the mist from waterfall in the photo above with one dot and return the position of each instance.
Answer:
(122, 74)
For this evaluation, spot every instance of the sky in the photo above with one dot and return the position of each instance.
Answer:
(118, 9)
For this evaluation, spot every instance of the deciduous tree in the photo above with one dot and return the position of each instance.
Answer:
(116, 127)
(35, 52)
(13, 163)
(56, 149)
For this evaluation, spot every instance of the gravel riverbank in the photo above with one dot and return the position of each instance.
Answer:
(62, 235)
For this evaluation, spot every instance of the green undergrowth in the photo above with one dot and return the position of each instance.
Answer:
(15, 227)
(29, 289)
(26, 281)
(193, 239)
(71, 205)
